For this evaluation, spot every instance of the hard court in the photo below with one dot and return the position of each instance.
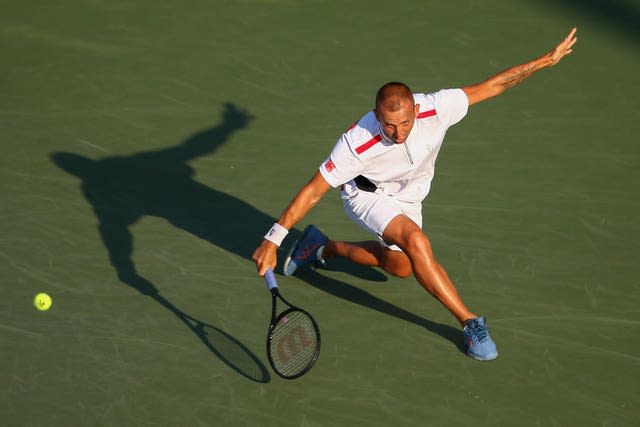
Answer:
(149, 145)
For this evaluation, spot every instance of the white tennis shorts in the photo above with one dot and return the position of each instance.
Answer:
(374, 211)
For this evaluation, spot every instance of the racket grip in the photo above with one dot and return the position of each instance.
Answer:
(270, 278)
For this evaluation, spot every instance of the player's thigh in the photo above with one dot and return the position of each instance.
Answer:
(374, 212)
(405, 233)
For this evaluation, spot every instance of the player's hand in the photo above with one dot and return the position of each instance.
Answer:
(265, 256)
(564, 48)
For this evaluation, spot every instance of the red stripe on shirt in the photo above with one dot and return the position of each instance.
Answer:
(370, 143)
(427, 113)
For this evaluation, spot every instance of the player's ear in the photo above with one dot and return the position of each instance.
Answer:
(416, 109)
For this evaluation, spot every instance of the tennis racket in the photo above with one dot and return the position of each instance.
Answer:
(293, 339)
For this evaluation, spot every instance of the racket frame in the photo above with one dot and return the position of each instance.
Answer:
(275, 294)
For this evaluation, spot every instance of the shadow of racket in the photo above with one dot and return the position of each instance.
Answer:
(228, 349)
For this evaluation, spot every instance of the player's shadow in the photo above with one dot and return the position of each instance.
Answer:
(124, 189)
(160, 183)
(359, 296)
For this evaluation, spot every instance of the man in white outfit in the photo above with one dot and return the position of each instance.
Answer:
(384, 165)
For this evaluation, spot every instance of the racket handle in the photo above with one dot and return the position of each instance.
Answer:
(270, 278)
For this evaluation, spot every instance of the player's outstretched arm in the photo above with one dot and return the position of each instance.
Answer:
(513, 76)
(310, 194)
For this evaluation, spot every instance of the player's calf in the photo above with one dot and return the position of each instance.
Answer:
(396, 263)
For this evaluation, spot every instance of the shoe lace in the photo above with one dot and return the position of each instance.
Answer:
(478, 331)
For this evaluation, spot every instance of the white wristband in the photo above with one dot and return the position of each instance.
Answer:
(276, 234)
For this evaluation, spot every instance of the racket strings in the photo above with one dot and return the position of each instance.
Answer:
(293, 343)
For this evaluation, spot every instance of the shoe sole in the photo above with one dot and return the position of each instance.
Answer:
(287, 260)
(483, 359)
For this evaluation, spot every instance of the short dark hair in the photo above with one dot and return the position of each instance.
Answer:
(393, 95)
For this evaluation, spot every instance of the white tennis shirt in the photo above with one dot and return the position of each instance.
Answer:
(403, 171)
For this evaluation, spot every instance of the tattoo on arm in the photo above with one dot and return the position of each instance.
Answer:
(505, 79)
(516, 75)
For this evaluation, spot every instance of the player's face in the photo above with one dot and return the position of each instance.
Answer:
(397, 125)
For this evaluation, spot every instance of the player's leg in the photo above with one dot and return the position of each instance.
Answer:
(405, 233)
(372, 212)
(370, 253)
(314, 248)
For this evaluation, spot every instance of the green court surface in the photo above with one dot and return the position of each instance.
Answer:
(149, 145)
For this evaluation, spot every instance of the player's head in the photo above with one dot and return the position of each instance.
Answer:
(396, 111)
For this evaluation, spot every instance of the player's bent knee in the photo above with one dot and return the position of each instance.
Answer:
(416, 242)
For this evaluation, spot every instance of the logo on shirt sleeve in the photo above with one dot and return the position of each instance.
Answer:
(329, 165)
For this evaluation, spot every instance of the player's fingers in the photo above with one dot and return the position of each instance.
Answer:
(264, 268)
(569, 40)
(264, 265)
(259, 263)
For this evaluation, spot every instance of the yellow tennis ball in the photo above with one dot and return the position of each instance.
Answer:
(42, 301)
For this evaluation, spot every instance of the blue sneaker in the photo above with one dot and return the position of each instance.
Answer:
(477, 341)
(305, 250)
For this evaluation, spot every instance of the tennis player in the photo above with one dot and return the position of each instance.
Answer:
(384, 165)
